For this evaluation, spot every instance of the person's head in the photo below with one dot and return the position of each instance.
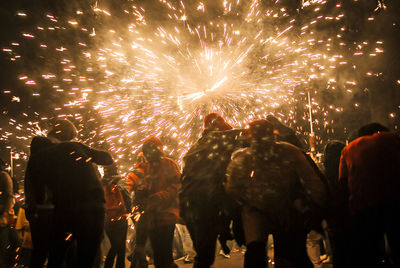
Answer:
(332, 152)
(63, 130)
(110, 170)
(215, 122)
(153, 149)
(370, 129)
(261, 130)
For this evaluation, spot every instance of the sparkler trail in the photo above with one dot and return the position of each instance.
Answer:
(123, 75)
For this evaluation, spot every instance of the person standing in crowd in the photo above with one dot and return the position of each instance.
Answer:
(118, 206)
(38, 201)
(202, 198)
(336, 216)
(159, 198)
(263, 179)
(62, 174)
(369, 172)
(6, 194)
(6, 203)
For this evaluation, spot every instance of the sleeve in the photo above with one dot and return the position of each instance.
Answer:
(237, 177)
(132, 180)
(343, 172)
(99, 157)
(123, 187)
(310, 179)
(8, 191)
(170, 192)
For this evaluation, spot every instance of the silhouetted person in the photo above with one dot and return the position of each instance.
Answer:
(369, 173)
(38, 198)
(264, 179)
(6, 203)
(203, 198)
(159, 198)
(62, 174)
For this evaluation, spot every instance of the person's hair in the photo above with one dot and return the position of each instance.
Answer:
(63, 130)
(332, 152)
(371, 128)
(214, 121)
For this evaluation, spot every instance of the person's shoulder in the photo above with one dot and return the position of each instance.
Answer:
(169, 161)
(238, 154)
(288, 146)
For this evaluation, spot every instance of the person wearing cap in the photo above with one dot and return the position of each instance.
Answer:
(202, 199)
(263, 178)
(160, 205)
(64, 195)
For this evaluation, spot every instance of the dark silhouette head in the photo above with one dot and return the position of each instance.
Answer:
(371, 128)
(63, 130)
(332, 152)
(153, 149)
(215, 122)
(261, 130)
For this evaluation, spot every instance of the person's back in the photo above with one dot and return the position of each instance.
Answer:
(369, 172)
(273, 175)
(372, 167)
(78, 199)
(72, 176)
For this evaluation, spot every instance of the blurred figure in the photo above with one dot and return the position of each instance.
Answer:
(8, 238)
(6, 194)
(285, 133)
(64, 197)
(264, 179)
(203, 200)
(337, 215)
(137, 187)
(369, 173)
(118, 206)
(159, 198)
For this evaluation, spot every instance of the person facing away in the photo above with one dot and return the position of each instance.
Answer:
(38, 201)
(263, 178)
(159, 198)
(118, 205)
(62, 173)
(336, 216)
(202, 197)
(369, 172)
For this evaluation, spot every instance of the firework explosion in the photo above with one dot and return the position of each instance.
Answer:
(125, 73)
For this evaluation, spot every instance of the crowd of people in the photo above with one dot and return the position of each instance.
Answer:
(235, 184)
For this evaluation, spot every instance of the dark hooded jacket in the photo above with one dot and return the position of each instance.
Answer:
(205, 165)
(266, 177)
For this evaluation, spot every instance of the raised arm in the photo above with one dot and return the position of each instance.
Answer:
(98, 156)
